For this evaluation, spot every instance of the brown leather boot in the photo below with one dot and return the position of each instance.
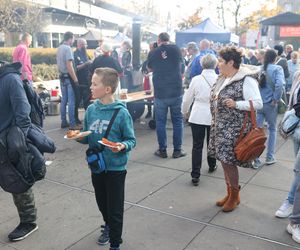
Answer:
(220, 203)
(233, 200)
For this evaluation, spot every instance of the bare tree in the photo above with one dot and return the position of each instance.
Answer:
(232, 7)
(16, 16)
(236, 12)
(221, 12)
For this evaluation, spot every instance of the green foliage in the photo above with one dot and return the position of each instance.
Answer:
(38, 55)
(43, 61)
(191, 20)
(45, 72)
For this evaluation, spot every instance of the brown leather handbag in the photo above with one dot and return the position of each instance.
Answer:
(250, 146)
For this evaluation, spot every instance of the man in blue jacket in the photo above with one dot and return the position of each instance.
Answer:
(15, 109)
(196, 68)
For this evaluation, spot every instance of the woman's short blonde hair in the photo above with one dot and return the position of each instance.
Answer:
(209, 61)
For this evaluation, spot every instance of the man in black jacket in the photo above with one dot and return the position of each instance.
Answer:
(165, 62)
(82, 64)
(15, 109)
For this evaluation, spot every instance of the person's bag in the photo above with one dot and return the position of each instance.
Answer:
(252, 145)
(95, 160)
(288, 124)
(282, 107)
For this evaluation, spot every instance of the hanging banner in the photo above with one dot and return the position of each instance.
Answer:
(289, 31)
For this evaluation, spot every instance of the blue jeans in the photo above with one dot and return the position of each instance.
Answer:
(268, 112)
(68, 98)
(161, 110)
(296, 181)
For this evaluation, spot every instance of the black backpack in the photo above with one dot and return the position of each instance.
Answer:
(37, 112)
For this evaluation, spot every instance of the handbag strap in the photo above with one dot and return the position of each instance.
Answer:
(111, 123)
(206, 81)
(253, 121)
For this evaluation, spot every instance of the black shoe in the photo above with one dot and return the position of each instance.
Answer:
(22, 231)
(149, 114)
(195, 181)
(178, 154)
(161, 153)
(104, 237)
(64, 125)
(212, 169)
(246, 165)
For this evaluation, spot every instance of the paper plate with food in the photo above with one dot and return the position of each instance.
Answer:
(108, 143)
(75, 134)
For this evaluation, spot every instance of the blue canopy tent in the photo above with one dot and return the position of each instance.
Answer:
(205, 30)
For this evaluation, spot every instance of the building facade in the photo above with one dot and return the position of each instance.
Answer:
(79, 17)
(289, 5)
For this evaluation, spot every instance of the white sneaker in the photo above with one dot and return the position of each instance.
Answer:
(285, 210)
(270, 161)
(294, 230)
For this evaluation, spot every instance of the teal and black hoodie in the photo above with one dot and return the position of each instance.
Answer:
(97, 118)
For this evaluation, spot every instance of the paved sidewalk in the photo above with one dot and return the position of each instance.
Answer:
(163, 210)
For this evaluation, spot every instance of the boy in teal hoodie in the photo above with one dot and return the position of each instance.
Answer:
(109, 184)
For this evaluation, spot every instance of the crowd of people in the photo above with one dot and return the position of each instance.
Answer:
(268, 77)
(213, 89)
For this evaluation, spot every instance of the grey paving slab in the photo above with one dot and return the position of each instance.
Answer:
(67, 153)
(148, 142)
(74, 173)
(180, 197)
(278, 175)
(255, 214)
(61, 222)
(245, 174)
(8, 209)
(6, 247)
(142, 180)
(44, 192)
(286, 152)
(148, 230)
(181, 164)
(212, 238)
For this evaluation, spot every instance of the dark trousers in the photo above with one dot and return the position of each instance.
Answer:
(109, 191)
(82, 92)
(198, 133)
(26, 206)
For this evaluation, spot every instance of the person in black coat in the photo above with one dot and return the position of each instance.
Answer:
(15, 108)
(105, 60)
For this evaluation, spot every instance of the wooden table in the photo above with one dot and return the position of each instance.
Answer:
(137, 96)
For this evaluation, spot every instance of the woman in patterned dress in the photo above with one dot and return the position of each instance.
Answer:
(230, 97)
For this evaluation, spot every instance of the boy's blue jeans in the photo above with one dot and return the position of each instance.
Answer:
(268, 112)
(68, 98)
(161, 110)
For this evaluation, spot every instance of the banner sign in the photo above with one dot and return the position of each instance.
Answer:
(289, 31)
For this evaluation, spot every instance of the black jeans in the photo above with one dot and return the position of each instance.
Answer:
(109, 191)
(82, 92)
(198, 133)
